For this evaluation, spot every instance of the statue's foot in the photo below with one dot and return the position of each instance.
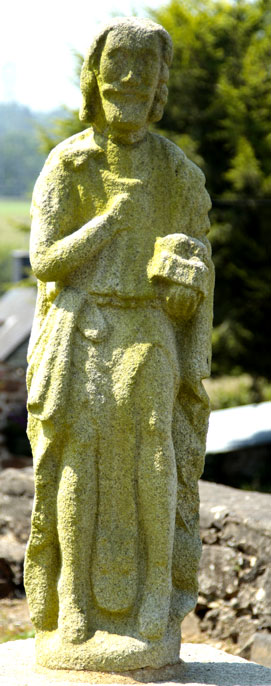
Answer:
(153, 615)
(73, 628)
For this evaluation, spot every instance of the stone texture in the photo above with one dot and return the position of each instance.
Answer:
(13, 393)
(16, 500)
(235, 579)
(120, 345)
(218, 572)
(261, 648)
(199, 664)
(13, 418)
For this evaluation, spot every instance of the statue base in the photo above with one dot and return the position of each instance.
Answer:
(106, 652)
(199, 664)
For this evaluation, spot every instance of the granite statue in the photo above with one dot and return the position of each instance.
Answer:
(120, 344)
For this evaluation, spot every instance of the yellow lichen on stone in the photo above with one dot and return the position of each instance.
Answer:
(120, 345)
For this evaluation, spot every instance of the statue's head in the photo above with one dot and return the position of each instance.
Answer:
(125, 73)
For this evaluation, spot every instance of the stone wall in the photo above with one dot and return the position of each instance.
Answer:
(14, 446)
(16, 499)
(235, 574)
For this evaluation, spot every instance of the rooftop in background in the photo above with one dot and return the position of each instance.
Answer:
(239, 427)
(16, 315)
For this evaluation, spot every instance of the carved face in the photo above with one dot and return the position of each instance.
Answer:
(128, 77)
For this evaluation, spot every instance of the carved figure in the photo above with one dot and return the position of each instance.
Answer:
(120, 345)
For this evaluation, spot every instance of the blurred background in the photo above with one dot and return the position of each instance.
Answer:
(218, 112)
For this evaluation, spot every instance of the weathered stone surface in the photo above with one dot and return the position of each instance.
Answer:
(220, 505)
(120, 345)
(218, 573)
(199, 664)
(13, 393)
(261, 648)
(235, 577)
(13, 417)
(16, 500)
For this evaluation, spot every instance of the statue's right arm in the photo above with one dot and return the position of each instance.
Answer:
(54, 256)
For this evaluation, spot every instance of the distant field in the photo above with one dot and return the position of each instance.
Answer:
(10, 207)
(13, 215)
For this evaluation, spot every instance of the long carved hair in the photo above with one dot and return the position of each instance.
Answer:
(90, 68)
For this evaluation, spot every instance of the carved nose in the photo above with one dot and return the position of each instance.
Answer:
(130, 78)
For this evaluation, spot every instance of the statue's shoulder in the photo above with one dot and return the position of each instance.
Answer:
(62, 162)
(73, 151)
(181, 165)
(57, 178)
(187, 184)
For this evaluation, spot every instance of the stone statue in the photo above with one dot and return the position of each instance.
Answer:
(120, 345)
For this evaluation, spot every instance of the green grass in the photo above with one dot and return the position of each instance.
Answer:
(232, 391)
(14, 207)
(11, 636)
(13, 215)
(14, 219)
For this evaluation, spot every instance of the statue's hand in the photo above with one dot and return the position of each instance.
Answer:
(121, 210)
(180, 301)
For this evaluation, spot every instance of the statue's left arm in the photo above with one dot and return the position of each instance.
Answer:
(194, 205)
(182, 268)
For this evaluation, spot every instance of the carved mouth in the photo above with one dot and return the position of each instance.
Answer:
(123, 94)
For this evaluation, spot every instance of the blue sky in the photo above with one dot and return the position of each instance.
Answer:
(36, 43)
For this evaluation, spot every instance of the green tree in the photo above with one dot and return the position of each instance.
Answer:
(20, 163)
(20, 158)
